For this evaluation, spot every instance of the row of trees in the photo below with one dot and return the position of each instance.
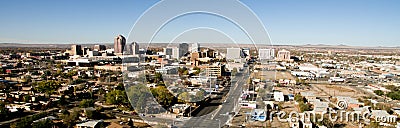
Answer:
(394, 93)
(26, 122)
(47, 87)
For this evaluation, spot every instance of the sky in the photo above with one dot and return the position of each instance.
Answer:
(288, 22)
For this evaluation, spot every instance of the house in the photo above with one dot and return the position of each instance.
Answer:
(258, 115)
(308, 95)
(247, 104)
(45, 118)
(278, 96)
(336, 80)
(118, 125)
(90, 124)
(396, 111)
(351, 102)
(320, 107)
(179, 108)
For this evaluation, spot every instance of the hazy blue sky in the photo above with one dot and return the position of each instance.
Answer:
(348, 22)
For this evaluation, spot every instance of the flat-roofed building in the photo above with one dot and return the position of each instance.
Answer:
(266, 54)
(283, 55)
(76, 50)
(233, 53)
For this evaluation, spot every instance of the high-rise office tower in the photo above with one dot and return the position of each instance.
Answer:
(246, 51)
(99, 47)
(266, 54)
(85, 50)
(168, 51)
(135, 48)
(183, 49)
(119, 44)
(195, 47)
(76, 50)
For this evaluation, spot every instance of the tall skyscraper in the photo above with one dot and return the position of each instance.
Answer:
(167, 51)
(175, 53)
(195, 47)
(76, 50)
(246, 51)
(266, 54)
(135, 48)
(85, 50)
(183, 49)
(119, 44)
(99, 47)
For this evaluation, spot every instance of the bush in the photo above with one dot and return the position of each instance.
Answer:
(86, 103)
(378, 92)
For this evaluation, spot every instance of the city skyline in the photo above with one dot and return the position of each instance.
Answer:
(353, 23)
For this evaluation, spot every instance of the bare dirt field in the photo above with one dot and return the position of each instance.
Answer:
(337, 90)
(274, 75)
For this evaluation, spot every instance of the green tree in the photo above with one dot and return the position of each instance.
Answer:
(185, 96)
(86, 103)
(120, 86)
(158, 77)
(27, 78)
(392, 88)
(139, 95)
(298, 98)
(394, 95)
(163, 96)
(27, 98)
(200, 95)
(4, 112)
(374, 125)
(326, 122)
(92, 114)
(116, 97)
(59, 66)
(62, 101)
(197, 72)
(234, 71)
(43, 124)
(186, 72)
(69, 119)
(48, 87)
(378, 92)
(304, 107)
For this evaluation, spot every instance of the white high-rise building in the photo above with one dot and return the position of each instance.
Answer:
(135, 48)
(266, 54)
(175, 53)
(195, 47)
(233, 53)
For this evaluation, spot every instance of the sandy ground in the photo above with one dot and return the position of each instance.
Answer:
(337, 90)
(271, 75)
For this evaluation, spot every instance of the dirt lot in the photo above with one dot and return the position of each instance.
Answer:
(270, 75)
(337, 90)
